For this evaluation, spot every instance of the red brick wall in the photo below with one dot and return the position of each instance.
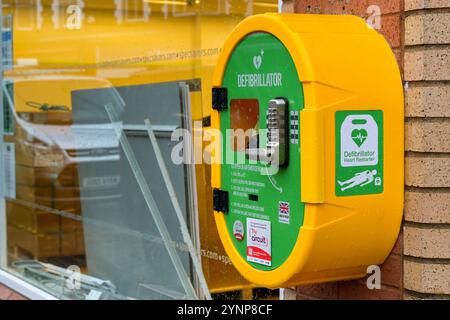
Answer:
(391, 26)
(392, 15)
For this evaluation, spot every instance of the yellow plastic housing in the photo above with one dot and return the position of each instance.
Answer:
(343, 64)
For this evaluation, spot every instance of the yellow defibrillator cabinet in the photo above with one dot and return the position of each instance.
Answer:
(309, 183)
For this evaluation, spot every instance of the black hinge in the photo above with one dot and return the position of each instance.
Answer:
(219, 99)
(206, 122)
(220, 200)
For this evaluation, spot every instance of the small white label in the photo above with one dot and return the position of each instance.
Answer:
(9, 161)
(283, 212)
(238, 230)
(359, 141)
(259, 242)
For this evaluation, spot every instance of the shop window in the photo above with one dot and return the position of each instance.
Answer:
(96, 208)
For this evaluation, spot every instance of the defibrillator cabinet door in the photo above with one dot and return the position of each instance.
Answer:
(261, 151)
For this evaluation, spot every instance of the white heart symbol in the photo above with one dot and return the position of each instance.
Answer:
(257, 60)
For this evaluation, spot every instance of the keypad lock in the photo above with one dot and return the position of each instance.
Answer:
(275, 152)
(277, 133)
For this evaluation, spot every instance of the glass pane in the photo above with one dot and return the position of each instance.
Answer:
(94, 208)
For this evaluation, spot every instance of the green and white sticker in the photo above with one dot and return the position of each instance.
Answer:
(359, 152)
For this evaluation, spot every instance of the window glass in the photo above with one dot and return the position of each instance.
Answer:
(98, 99)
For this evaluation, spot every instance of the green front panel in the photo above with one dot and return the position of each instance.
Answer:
(264, 209)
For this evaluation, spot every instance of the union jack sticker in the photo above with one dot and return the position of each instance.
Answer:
(283, 212)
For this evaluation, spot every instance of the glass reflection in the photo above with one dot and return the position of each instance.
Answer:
(77, 222)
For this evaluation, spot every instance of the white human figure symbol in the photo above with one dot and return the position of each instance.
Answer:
(360, 179)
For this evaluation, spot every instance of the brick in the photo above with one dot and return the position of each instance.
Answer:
(398, 246)
(427, 135)
(391, 271)
(391, 278)
(16, 296)
(358, 7)
(313, 7)
(391, 29)
(427, 28)
(426, 277)
(427, 63)
(323, 291)
(427, 207)
(288, 6)
(391, 19)
(427, 171)
(388, 6)
(427, 242)
(357, 290)
(5, 292)
(398, 53)
(418, 296)
(426, 4)
(428, 100)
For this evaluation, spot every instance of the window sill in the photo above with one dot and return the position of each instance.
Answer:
(24, 288)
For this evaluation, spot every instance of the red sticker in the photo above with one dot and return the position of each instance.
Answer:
(238, 230)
